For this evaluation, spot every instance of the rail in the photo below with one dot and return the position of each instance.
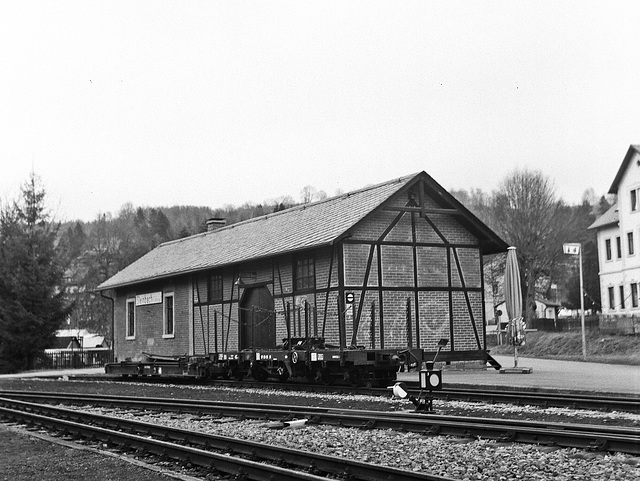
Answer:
(583, 436)
(179, 444)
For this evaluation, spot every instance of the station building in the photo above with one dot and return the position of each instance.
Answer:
(394, 265)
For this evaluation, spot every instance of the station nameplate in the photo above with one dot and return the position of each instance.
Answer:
(150, 298)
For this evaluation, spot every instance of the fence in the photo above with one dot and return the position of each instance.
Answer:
(74, 358)
(629, 325)
(625, 325)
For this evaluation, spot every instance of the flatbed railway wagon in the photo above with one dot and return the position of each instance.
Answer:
(349, 289)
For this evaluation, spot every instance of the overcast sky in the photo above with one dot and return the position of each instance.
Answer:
(213, 103)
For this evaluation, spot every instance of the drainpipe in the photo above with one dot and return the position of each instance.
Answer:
(113, 326)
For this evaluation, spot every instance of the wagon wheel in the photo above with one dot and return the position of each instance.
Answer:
(325, 376)
(283, 376)
(235, 374)
(354, 377)
(259, 374)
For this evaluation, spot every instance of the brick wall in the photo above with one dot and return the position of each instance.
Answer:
(197, 319)
(435, 253)
(149, 321)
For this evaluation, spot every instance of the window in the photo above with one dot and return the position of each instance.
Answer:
(131, 319)
(619, 247)
(168, 318)
(630, 243)
(305, 274)
(612, 300)
(621, 297)
(634, 295)
(634, 200)
(215, 288)
(607, 245)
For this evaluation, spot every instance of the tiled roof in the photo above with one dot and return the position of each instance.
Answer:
(608, 218)
(302, 227)
(623, 168)
(299, 228)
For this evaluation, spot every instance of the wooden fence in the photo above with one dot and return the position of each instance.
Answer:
(74, 358)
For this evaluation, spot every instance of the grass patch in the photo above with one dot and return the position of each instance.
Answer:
(611, 349)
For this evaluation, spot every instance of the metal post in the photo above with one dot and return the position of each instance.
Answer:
(373, 325)
(306, 320)
(215, 329)
(408, 325)
(573, 249)
(253, 328)
(584, 340)
(288, 321)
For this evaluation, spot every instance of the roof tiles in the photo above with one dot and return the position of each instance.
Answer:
(302, 227)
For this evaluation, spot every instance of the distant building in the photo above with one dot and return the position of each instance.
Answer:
(618, 232)
(75, 348)
(545, 309)
(82, 339)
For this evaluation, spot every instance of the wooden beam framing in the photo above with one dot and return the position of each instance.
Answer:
(466, 297)
(423, 210)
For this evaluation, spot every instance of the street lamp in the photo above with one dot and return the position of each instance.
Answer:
(576, 249)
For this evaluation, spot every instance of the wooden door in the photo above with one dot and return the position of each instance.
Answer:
(257, 319)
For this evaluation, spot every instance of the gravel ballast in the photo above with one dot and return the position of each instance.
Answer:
(457, 458)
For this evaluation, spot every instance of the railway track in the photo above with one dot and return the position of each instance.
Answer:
(241, 458)
(590, 437)
(542, 398)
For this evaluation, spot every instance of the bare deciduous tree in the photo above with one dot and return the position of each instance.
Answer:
(528, 215)
(308, 194)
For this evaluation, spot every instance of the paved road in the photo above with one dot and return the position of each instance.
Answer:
(568, 375)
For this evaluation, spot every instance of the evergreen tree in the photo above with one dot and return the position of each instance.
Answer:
(32, 297)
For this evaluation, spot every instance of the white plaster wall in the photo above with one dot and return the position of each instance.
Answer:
(622, 271)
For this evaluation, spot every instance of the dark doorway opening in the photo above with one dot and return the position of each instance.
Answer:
(257, 319)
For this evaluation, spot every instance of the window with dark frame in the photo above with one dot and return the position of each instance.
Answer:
(619, 247)
(131, 318)
(168, 315)
(612, 300)
(621, 297)
(634, 295)
(630, 243)
(634, 200)
(607, 245)
(215, 287)
(305, 274)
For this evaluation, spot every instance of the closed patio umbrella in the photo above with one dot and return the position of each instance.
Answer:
(513, 302)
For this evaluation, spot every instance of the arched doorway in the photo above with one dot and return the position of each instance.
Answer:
(257, 319)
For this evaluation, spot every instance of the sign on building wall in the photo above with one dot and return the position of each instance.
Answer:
(150, 298)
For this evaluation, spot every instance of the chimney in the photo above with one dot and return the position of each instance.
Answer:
(215, 223)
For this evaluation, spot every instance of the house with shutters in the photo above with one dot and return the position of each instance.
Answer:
(394, 265)
(618, 240)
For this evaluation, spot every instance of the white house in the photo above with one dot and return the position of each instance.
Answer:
(618, 238)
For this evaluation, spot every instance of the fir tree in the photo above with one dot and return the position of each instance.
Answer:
(32, 301)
